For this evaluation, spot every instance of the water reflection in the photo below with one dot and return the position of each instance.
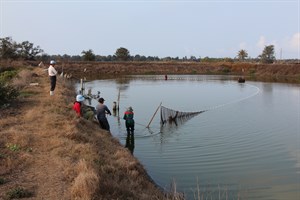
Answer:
(130, 141)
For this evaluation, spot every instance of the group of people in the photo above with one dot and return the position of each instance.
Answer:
(101, 111)
(88, 112)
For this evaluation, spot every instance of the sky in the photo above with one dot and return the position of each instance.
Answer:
(200, 28)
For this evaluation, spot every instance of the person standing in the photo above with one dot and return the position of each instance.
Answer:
(101, 111)
(52, 74)
(129, 121)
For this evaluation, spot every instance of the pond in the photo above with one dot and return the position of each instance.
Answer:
(246, 145)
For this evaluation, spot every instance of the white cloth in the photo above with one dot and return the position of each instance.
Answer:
(52, 71)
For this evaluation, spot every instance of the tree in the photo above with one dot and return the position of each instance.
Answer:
(267, 55)
(27, 51)
(88, 55)
(193, 58)
(137, 57)
(122, 54)
(8, 48)
(44, 57)
(242, 55)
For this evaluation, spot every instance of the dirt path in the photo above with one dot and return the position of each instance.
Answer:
(34, 164)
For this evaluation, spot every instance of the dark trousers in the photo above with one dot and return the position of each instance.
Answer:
(130, 128)
(129, 125)
(52, 82)
(104, 124)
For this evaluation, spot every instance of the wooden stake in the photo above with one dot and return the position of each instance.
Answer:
(154, 115)
(119, 95)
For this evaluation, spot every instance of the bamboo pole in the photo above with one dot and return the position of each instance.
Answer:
(119, 95)
(154, 115)
(82, 87)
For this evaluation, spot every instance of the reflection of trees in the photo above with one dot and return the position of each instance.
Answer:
(267, 87)
(122, 80)
(179, 78)
(122, 84)
(123, 87)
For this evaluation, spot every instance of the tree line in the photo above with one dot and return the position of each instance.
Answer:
(9, 49)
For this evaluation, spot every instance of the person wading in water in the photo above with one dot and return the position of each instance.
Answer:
(129, 123)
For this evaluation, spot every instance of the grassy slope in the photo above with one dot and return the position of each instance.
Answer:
(51, 154)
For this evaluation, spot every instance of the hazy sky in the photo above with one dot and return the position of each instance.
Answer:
(155, 28)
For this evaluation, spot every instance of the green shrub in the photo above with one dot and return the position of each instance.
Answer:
(7, 75)
(2, 181)
(226, 70)
(7, 94)
(13, 147)
(18, 193)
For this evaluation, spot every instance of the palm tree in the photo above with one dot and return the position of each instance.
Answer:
(88, 55)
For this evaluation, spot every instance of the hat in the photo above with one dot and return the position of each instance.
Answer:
(101, 100)
(52, 62)
(129, 108)
(79, 98)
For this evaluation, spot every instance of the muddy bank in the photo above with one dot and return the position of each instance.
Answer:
(268, 72)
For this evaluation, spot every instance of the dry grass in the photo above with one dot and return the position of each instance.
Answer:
(23, 78)
(49, 152)
(86, 183)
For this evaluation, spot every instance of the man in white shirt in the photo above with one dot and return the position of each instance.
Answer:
(52, 74)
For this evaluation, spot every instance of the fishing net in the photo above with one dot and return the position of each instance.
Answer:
(170, 115)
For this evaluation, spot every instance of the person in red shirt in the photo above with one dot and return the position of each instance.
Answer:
(129, 121)
(77, 105)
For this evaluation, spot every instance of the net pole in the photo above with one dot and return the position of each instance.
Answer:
(119, 94)
(154, 115)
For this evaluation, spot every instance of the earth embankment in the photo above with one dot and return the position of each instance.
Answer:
(269, 72)
(46, 152)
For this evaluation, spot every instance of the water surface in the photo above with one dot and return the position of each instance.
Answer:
(245, 146)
